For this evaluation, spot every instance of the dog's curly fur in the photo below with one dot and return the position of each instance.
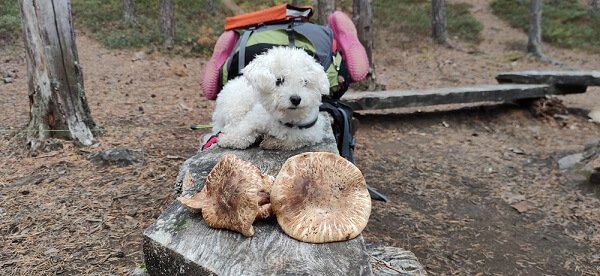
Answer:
(282, 86)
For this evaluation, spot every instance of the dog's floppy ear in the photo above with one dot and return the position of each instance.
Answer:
(316, 74)
(259, 75)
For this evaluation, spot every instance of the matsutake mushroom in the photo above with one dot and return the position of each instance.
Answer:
(234, 195)
(320, 197)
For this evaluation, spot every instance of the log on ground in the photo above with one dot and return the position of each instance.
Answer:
(180, 243)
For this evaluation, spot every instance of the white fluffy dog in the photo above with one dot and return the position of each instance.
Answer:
(277, 99)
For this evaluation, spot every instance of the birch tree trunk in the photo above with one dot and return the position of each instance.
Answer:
(362, 15)
(168, 22)
(324, 9)
(438, 21)
(58, 106)
(534, 44)
(128, 8)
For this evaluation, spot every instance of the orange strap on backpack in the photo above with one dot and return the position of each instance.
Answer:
(278, 13)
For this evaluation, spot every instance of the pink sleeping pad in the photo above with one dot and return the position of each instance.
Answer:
(352, 50)
(222, 50)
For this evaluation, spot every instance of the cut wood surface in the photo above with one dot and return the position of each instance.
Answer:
(388, 260)
(467, 94)
(179, 242)
(581, 78)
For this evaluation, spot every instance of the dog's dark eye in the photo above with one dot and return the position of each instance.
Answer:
(279, 81)
(304, 83)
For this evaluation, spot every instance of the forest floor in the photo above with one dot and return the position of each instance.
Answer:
(455, 175)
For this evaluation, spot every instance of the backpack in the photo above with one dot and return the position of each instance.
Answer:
(251, 34)
(284, 25)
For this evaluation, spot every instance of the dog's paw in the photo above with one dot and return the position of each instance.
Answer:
(233, 142)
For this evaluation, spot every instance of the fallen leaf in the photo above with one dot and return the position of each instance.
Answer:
(180, 71)
(517, 151)
(138, 56)
(523, 206)
(185, 107)
(173, 157)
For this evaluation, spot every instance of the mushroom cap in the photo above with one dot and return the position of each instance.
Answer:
(230, 197)
(320, 197)
(194, 204)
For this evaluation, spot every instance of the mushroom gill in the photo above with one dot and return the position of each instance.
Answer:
(320, 197)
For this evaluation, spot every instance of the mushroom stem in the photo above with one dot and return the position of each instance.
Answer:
(264, 211)
(264, 198)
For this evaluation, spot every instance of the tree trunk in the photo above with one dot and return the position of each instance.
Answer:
(362, 16)
(593, 8)
(324, 9)
(58, 106)
(534, 45)
(438, 21)
(128, 8)
(168, 22)
(233, 7)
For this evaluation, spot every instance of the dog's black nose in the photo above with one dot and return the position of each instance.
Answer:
(295, 100)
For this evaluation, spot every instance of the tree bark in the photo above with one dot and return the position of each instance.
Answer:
(128, 8)
(324, 9)
(438, 21)
(362, 15)
(593, 8)
(168, 22)
(534, 44)
(233, 7)
(58, 106)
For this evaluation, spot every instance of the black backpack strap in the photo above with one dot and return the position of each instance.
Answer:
(242, 49)
(291, 35)
(348, 142)
(342, 116)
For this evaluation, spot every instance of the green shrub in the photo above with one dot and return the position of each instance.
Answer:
(565, 23)
(10, 20)
(462, 24)
(197, 25)
(407, 20)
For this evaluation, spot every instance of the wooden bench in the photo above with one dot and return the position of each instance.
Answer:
(453, 95)
(180, 243)
(565, 82)
(514, 86)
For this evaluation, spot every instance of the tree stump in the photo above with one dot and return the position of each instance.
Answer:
(57, 100)
(180, 243)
